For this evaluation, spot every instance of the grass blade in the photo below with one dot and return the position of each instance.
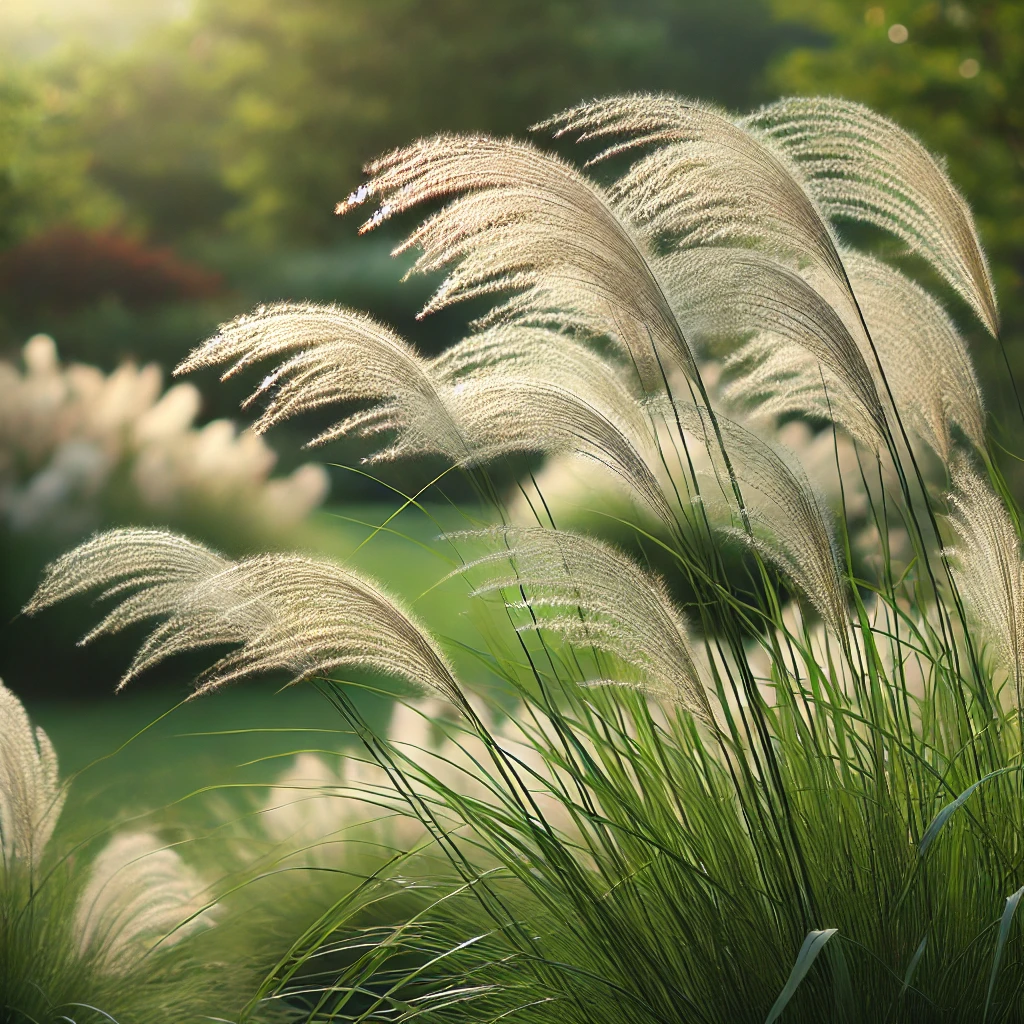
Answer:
(813, 945)
(1004, 934)
(947, 812)
(912, 966)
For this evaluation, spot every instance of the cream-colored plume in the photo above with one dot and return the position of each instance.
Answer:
(862, 166)
(711, 181)
(68, 432)
(527, 222)
(140, 895)
(736, 292)
(987, 568)
(925, 359)
(779, 497)
(288, 612)
(508, 389)
(925, 362)
(31, 796)
(595, 596)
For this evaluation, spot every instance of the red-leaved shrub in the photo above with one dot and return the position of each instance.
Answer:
(66, 269)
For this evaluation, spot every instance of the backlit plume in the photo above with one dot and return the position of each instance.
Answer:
(861, 166)
(31, 796)
(526, 222)
(597, 597)
(287, 612)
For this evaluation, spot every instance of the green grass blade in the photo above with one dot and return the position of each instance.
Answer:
(813, 945)
(947, 812)
(912, 966)
(1004, 934)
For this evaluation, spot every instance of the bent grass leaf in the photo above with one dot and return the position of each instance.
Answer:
(912, 966)
(1004, 934)
(947, 812)
(813, 945)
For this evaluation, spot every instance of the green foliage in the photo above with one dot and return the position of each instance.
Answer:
(44, 177)
(955, 81)
(262, 113)
(640, 872)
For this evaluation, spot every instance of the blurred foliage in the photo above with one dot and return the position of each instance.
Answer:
(229, 128)
(259, 115)
(953, 73)
(67, 269)
(44, 164)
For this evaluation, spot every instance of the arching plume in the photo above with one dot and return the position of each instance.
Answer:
(927, 368)
(986, 564)
(712, 180)
(734, 292)
(140, 896)
(925, 359)
(780, 499)
(595, 596)
(527, 222)
(287, 612)
(862, 166)
(31, 796)
(507, 389)
(772, 378)
(330, 354)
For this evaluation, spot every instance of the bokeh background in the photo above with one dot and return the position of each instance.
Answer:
(167, 164)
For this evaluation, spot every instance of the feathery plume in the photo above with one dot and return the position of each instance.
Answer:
(925, 360)
(527, 222)
(507, 389)
(772, 378)
(782, 500)
(736, 291)
(331, 354)
(66, 430)
(987, 568)
(926, 364)
(712, 180)
(860, 165)
(287, 612)
(31, 796)
(595, 596)
(140, 895)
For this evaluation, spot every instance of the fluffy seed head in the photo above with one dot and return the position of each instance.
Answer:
(595, 596)
(779, 499)
(736, 292)
(31, 796)
(987, 568)
(511, 388)
(862, 166)
(140, 895)
(711, 181)
(525, 222)
(287, 612)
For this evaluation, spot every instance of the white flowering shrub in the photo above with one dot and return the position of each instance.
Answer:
(70, 434)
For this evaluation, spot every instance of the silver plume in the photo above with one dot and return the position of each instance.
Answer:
(593, 595)
(287, 612)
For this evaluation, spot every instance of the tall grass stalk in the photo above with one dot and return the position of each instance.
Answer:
(747, 774)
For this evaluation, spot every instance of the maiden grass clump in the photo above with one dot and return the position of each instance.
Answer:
(785, 785)
(84, 935)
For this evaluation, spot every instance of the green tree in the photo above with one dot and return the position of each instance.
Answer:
(954, 74)
(264, 113)
(44, 172)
